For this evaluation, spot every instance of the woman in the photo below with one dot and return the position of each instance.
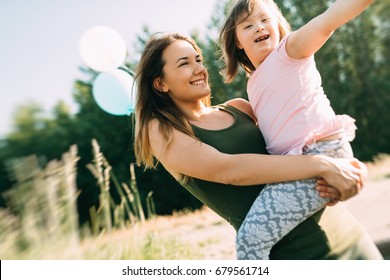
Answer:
(218, 153)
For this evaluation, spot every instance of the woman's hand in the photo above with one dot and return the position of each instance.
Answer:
(345, 175)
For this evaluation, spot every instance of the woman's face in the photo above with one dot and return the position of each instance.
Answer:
(185, 78)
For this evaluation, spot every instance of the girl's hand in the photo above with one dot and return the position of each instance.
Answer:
(327, 191)
(347, 176)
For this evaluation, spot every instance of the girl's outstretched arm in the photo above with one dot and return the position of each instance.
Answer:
(313, 35)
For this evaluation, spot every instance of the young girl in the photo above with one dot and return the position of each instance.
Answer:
(292, 111)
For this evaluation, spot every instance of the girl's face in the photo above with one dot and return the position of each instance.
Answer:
(185, 79)
(258, 35)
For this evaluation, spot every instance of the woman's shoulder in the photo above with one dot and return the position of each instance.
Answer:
(241, 105)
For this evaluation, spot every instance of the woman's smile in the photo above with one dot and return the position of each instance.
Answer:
(198, 82)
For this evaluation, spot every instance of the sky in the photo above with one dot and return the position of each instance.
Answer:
(39, 55)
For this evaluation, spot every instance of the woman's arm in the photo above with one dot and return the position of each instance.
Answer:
(313, 35)
(188, 156)
(324, 189)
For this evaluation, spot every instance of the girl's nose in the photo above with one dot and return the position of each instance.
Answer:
(259, 26)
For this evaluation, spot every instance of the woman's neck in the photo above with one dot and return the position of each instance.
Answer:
(190, 110)
(198, 113)
(211, 118)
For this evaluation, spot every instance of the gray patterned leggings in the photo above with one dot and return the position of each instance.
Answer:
(280, 207)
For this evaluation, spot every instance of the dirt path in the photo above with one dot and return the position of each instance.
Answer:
(372, 208)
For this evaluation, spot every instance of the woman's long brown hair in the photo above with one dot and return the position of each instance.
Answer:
(153, 104)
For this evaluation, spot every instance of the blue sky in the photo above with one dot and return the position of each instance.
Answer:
(39, 56)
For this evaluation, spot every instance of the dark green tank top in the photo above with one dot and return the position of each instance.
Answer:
(230, 202)
(310, 240)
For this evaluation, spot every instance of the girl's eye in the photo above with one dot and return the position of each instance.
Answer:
(248, 26)
(265, 20)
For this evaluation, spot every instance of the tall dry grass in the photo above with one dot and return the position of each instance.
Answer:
(41, 221)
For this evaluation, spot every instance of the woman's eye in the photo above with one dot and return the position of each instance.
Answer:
(182, 64)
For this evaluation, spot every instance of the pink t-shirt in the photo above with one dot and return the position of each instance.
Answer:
(290, 105)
